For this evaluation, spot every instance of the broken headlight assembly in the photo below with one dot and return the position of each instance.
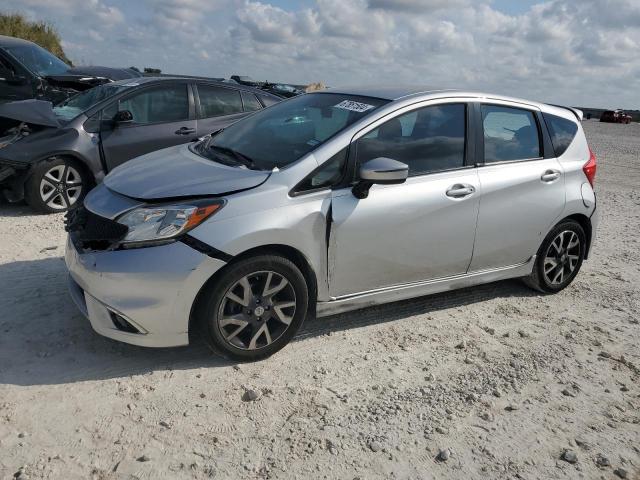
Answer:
(160, 224)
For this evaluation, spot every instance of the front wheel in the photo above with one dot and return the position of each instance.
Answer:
(559, 258)
(56, 185)
(254, 309)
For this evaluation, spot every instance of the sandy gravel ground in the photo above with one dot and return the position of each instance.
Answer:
(504, 379)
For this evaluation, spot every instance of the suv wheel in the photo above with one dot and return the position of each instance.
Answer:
(56, 185)
(254, 309)
(559, 258)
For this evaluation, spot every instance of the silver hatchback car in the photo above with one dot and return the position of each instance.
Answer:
(329, 202)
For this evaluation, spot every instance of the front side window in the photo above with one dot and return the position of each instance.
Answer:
(159, 105)
(429, 139)
(326, 175)
(509, 134)
(217, 101)
(562, 132)
(283, 133)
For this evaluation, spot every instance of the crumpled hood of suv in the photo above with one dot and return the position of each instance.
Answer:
(176, 172)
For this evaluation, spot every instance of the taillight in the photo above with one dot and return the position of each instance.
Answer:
(589, 168)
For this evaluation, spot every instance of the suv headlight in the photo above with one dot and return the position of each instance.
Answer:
(163, 223)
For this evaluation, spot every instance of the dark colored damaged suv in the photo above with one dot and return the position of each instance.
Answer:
(51, 156)
(29, 71)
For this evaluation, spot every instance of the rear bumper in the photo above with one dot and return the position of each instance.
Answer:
(150, 289)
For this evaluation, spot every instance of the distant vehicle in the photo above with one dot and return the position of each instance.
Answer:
(244, 80)
(29, 71)
(615, 116)
(52, 156)
(328, 202)
(282, 89)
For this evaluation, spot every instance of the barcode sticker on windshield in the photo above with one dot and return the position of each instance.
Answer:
(354, 106)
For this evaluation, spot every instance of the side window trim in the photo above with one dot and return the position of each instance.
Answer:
(146, 89)
(480, 142)
(469, 146)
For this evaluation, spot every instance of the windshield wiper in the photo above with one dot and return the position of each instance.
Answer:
(239, 157)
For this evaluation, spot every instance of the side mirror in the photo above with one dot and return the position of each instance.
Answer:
(381, 170)
(123, 116)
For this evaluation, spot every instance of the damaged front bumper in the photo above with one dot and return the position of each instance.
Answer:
(141, 296)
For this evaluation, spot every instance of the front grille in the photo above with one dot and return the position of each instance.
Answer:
(91, 231)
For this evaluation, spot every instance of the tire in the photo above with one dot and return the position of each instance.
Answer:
(233, 320)
(56, 185)
(558, 247)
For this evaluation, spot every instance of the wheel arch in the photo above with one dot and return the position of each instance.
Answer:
(585, 223)
(78, 159)
(286, 251)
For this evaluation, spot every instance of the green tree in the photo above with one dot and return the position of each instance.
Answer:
(42, 33)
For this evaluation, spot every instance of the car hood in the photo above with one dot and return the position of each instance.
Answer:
(35, 112)
(105, 72)
(177, 172)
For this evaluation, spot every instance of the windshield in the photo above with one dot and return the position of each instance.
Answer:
(38, 60)
(283, 133)
(74, 106)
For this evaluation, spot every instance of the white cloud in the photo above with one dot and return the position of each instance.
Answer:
(561, 51)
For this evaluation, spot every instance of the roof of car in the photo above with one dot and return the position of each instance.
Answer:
(12, 41)
(143, 80)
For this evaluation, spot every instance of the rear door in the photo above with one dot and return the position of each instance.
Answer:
(163, 116)
(522, 185)
(218, 107)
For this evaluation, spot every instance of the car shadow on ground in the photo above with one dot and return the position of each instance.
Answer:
(44, 340)
(19, 209)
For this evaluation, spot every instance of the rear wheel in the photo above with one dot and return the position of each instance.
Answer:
(254, 308)
(559, 258)
(56, 185)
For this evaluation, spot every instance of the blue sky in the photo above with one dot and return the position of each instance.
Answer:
(578, 52)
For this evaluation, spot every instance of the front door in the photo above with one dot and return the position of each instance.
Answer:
(523, 193)
(420, 230)
(162, 117)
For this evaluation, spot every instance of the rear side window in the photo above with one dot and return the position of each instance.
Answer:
(562, 132)
(250, 102)
(159, 105)
(268, 100)
(509, 134)
(217, 101)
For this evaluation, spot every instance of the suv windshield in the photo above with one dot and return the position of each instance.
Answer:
(281, 134)
(74, 106)
(38, 60)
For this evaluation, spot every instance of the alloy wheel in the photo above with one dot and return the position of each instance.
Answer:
(257, 310)
(562, 257)
(61, 187)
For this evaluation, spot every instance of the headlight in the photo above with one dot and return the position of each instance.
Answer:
(165, 222)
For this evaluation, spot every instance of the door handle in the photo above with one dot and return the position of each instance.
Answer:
(550, 175)
(185, 131)
(460, 190)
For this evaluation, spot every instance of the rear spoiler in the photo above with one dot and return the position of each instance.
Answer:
(578, 113)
